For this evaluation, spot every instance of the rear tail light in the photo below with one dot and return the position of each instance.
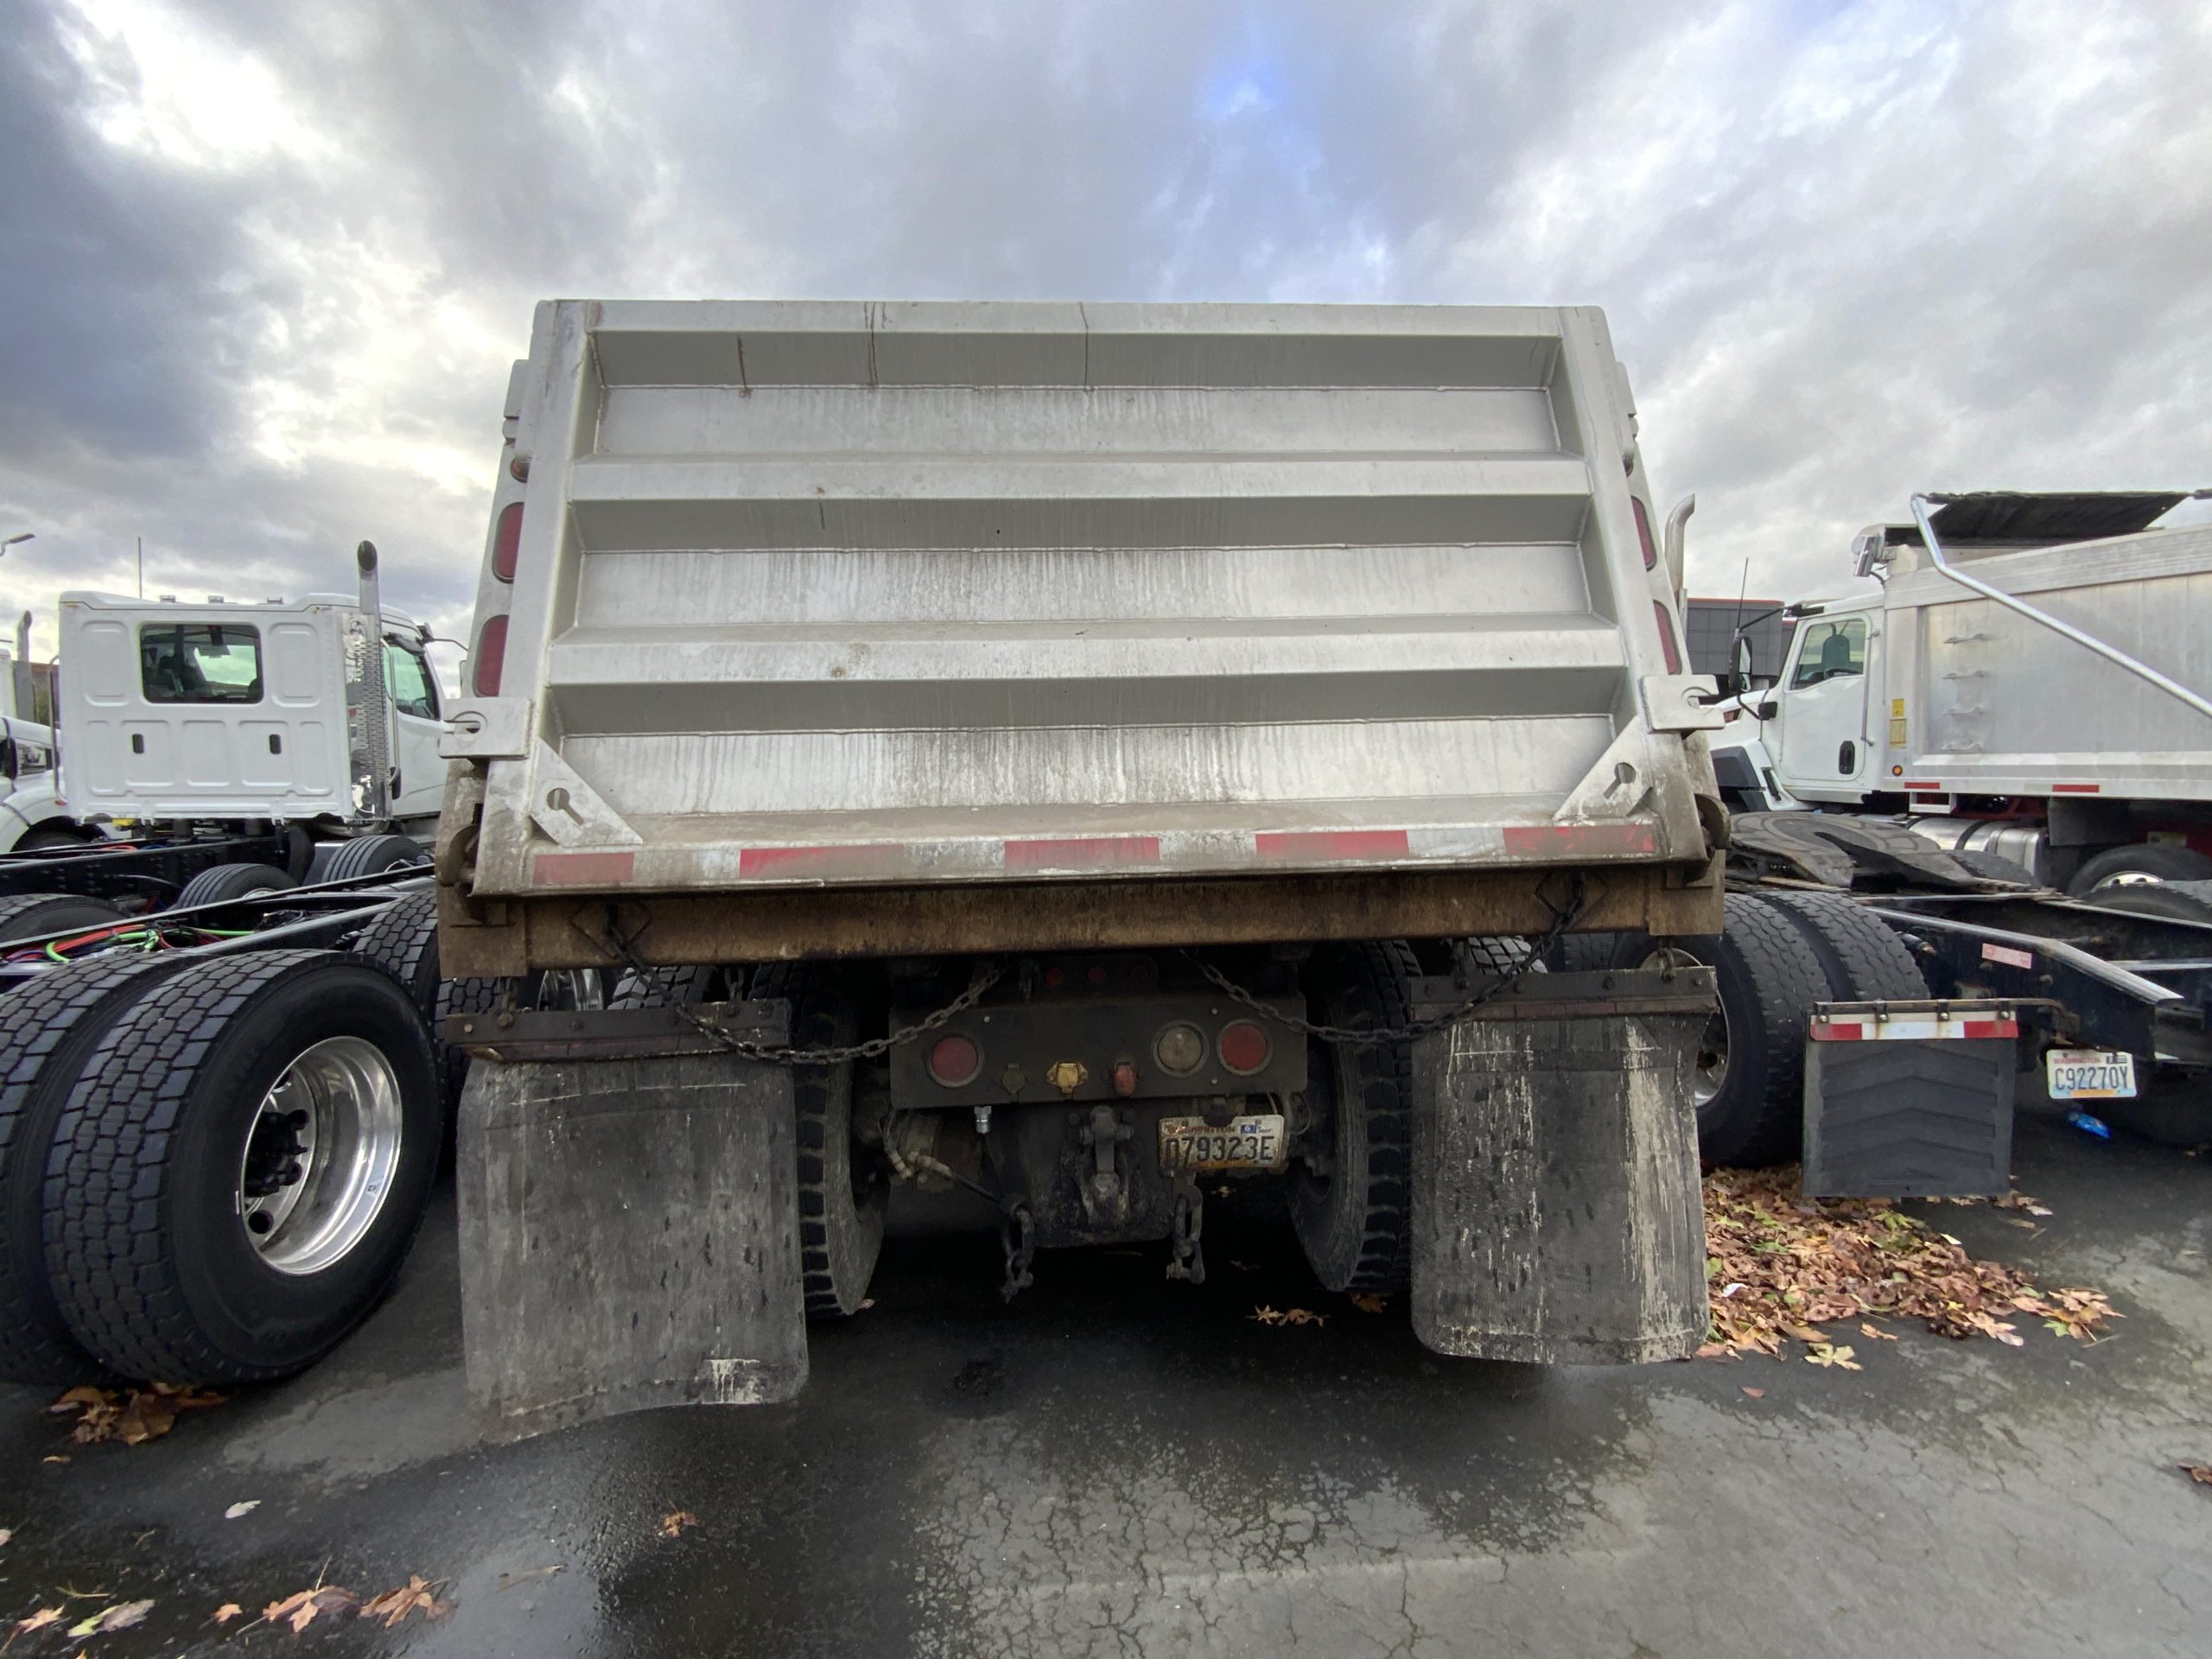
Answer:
(1243, 1046)
(489, 660)
(956, 1061)
(1668, 647)
(506, 542)
(1180, 1049)
(1643, 533)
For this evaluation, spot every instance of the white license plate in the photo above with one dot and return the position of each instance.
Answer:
(1242, 1143)
(2089, 1074)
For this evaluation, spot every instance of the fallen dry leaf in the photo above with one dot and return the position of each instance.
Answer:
(1241, 1266)
(121, 1617)
(227, 1613)
(1304, 1316)
(302, 1607)
(2199, 1473)
(508, 1581)
(1782, 1265)
(1265, 1315)
(246, 1508)
(6, 1533)
(867, 1302)
(140, 1415)
(673, 1523)
(1875, 1331)
(1755, 1393)
(1367, 1302)
(393, 1605)
(1835, 1355)
(46, 1616)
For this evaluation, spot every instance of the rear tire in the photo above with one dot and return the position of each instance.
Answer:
(683, 986)
(48, 1029)
(403, 939)
(1768, 978)
(2154, 860)
(1863, 961)
(843, 1190)
(228, 881)
(1351, 1221)
(34, 915)
(372, 856)
(163, 1163)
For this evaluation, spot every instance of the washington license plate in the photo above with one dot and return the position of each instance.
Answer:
(2089, 1074)
(1242, 1143)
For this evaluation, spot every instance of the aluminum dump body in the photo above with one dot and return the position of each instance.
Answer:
(788, 595)
(1985, 701)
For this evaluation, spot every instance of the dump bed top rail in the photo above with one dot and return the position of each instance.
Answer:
(793, 593)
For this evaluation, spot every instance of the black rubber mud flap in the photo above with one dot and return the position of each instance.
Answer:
(1557, 1216)
(629, 1238)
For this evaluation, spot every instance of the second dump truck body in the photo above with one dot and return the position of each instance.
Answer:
(1102, 721)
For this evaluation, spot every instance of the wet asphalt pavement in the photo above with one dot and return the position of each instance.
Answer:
(1118, 1466)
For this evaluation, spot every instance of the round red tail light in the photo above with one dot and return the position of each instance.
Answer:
(955, 1061)
(1243, 1047)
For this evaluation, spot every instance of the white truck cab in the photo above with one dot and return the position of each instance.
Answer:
(32, 812)
(230, 710)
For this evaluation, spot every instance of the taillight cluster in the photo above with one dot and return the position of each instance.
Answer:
(1180, 1048)
(487, 663)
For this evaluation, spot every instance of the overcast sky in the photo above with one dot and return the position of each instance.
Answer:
(265, 262)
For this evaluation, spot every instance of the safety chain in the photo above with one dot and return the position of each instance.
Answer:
(987, 976)
(1375, 1036)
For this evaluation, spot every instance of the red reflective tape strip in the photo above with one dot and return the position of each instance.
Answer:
(1082, 850)
(1540, 840)
(1910, 1028)
(1332, 844)
(2076, 789)
(582, 869)
(1989, 1028)
(1926, 788)
(1825, 1031)
(866, 859)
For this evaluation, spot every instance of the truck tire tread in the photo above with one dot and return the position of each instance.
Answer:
(108, 1202)
(1369, 983)
(49, 1028)
(1864, 961)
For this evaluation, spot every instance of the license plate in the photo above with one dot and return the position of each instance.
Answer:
(2089, 1074)
(1242, 1143)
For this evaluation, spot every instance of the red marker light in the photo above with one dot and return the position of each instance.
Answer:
(1643, 532)
(489, 661)
(1667, 646)
(506, 542)
(955, 1061)
(1243, 1047)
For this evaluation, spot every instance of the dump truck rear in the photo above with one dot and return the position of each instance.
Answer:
(1080, 755)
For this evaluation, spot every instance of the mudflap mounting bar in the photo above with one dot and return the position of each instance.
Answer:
(1557, 1214)
(629, 1233)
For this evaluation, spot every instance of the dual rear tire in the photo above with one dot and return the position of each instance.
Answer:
(225, 1161)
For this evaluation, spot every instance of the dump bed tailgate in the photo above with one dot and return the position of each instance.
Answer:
(794, 593)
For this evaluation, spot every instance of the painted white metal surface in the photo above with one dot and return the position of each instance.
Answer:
(808, 593)
(144, 737)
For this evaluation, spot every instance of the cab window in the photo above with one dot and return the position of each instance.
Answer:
(199, 662)
(413, 690)
(1830, 651)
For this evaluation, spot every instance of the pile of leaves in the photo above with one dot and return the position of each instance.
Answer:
(1780, 1267)
(135, 1417)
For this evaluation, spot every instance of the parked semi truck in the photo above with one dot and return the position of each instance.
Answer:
(2029, 680)
(1083, 730)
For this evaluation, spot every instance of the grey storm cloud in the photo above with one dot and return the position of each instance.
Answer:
(265, 264)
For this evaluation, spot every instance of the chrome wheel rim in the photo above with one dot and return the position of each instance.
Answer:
(319, 1156)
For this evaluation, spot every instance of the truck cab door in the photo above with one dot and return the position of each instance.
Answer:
(419, 789)
(1819, 736)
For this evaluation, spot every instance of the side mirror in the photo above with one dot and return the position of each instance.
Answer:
(1766, 710)
(1739, 666)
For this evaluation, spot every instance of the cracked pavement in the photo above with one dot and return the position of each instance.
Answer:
(1121, 1467)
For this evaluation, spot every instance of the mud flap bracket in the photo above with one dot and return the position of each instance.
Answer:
(628, 1237)
(1557, 1216)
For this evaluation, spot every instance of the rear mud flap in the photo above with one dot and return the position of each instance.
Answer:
(629, 1238)
(1557, 1216)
